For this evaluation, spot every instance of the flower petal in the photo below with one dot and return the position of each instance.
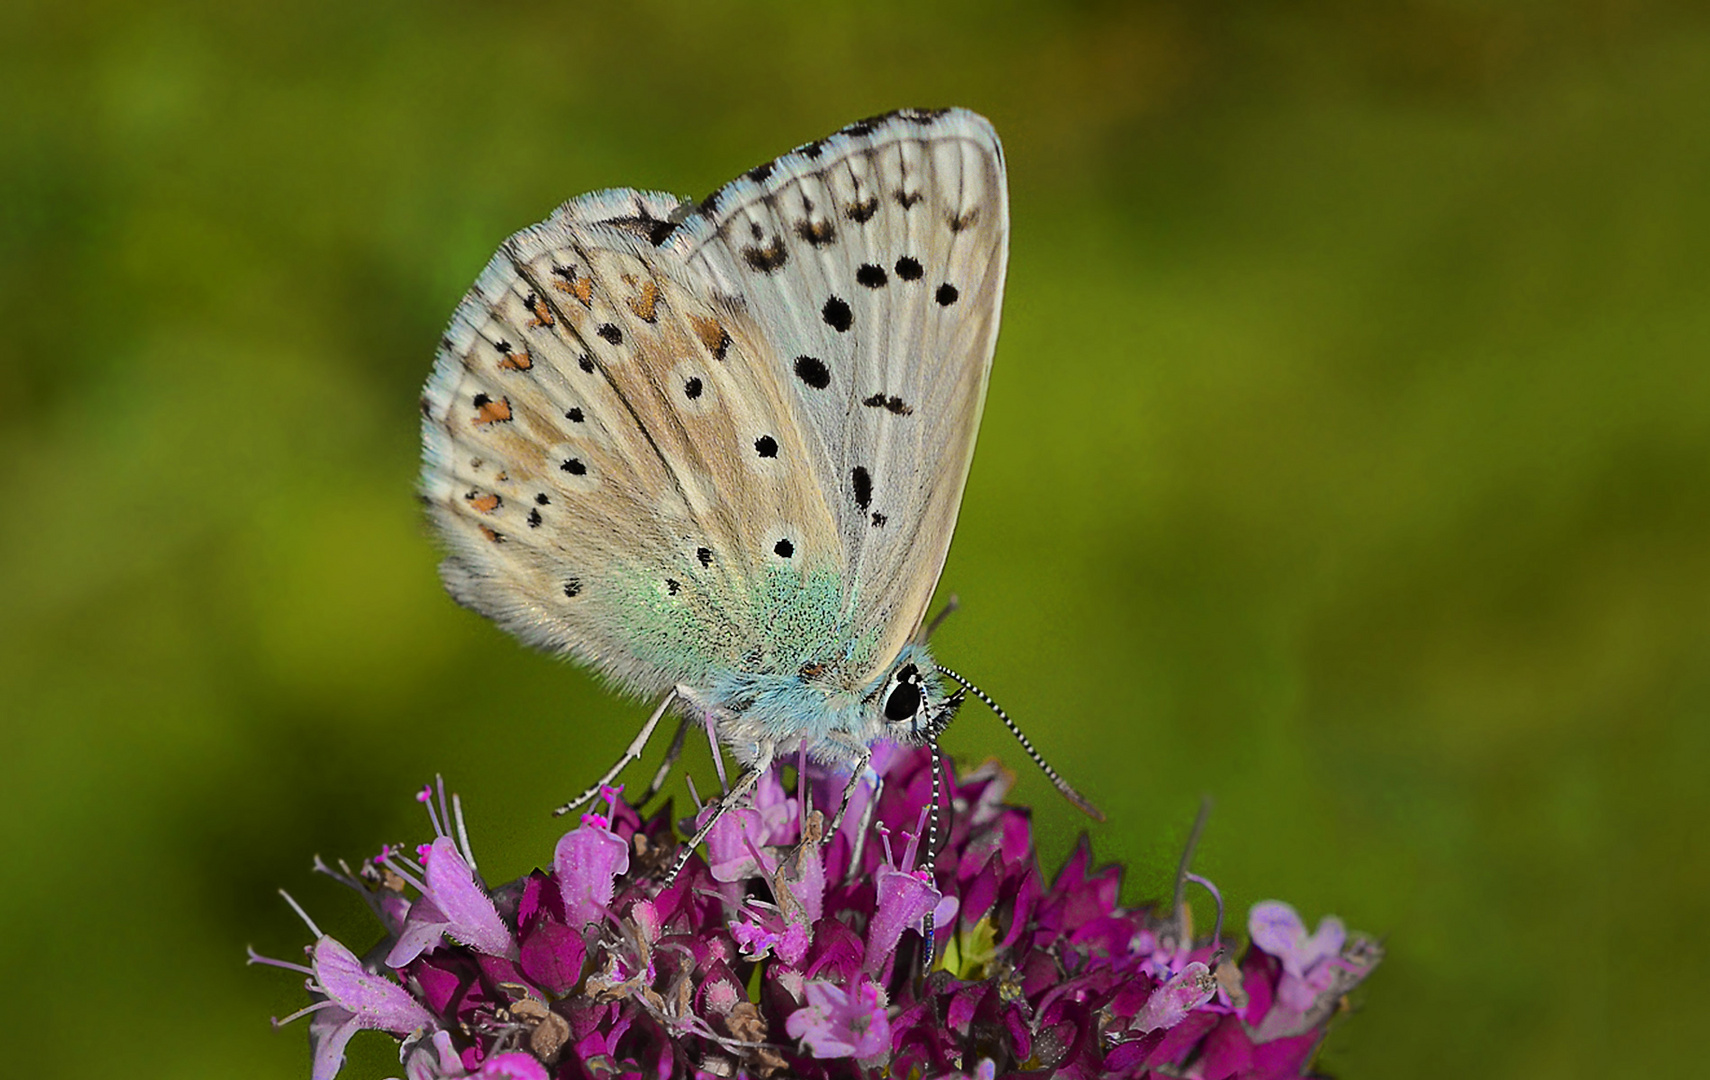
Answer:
(589, 858)
(1171, 1002)
(471, 917)
(374, 1001)
(904, 901)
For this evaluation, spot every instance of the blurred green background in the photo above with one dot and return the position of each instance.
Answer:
(1347, 458)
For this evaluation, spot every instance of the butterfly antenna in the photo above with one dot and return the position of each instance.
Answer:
(931, 866)
(950, 605)
(1056, 779)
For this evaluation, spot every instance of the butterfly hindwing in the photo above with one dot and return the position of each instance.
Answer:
(608, 454)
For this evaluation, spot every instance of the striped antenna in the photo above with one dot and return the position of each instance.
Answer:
(1057, 781)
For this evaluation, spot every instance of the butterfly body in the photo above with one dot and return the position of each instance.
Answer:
(719, 448)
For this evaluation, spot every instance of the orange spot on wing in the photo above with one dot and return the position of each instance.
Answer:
(516, 361)
(485, 502)
(646, 303)
(582, 288)
(537, 306)
(715, 337)
(495, 537)
(493, 412)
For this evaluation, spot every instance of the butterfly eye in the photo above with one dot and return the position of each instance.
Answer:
(905, 697)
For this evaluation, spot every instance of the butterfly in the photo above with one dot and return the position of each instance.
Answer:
(716, 450)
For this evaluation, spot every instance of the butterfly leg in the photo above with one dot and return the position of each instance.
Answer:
(717, 754)
(867, 813)
(670, 762)
(726, 803)
(855, 776)
(629, 755)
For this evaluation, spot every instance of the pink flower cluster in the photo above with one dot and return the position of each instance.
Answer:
(795, 950)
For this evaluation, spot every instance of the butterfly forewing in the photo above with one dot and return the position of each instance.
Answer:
(874, 260)
(684, 442)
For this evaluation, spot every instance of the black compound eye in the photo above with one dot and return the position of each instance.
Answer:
(905, 697)
(903, 703)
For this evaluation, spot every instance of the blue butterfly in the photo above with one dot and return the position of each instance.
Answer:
(716, 451)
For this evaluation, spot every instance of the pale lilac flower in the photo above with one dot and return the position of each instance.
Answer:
(738, 847)
(453, 902)
(587, 863)
(1170, 1003)
(906, 896)
(1309, 962)
(839, 1023)
(352, 999)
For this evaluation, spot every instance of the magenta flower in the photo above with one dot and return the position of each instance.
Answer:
(790, 953)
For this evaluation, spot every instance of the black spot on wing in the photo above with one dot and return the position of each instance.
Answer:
(572, 587)
(611, 333)
(534, 519)
(760, 172)
(586, 363)
(766, 446)
(879, 520)
(574, 467)
(837, 315)
(817, 233)
(645, 226)
(862, 212)
(861, 483)
(891, 404)
(672, 585)
(575, 415)
(784, 548)
(959, 222)
(909, 268)
(704, 555)
(907, 199)
(542, 500)
(769, 258)
(947, 294)
(812, 370)
(873, 277)
(692, 389)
